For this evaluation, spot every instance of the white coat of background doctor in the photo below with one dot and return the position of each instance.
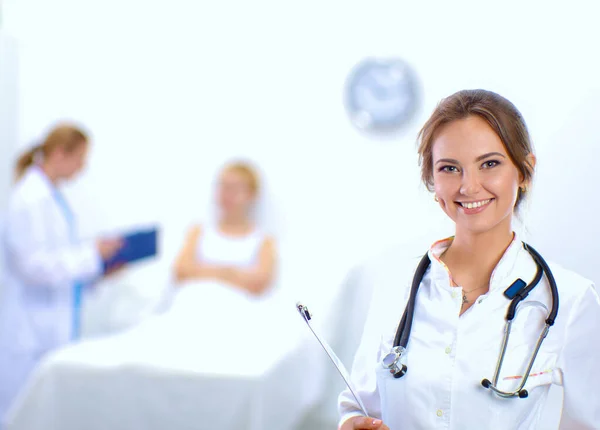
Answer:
(46, 267)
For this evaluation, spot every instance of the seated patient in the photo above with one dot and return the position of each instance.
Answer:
(233, 249)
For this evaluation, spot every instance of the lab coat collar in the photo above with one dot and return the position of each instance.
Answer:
(37, 170)
(506, 266)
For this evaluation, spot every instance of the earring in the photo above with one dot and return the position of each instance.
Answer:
(435, 197)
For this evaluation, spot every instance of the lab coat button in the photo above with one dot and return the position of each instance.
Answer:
(454, 295)
(439, 413)
(448, 350)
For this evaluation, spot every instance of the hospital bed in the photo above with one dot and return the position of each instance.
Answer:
(214, 359)
(220, 361)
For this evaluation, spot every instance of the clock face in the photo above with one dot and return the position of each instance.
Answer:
(381, 95)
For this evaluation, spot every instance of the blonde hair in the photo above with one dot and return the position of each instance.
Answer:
(65, 136)
(246, 170)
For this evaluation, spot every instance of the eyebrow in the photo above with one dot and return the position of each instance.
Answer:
(481, 157)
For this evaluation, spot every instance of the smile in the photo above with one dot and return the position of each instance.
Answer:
(473, 205)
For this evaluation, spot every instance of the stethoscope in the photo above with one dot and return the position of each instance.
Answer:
(518, 291)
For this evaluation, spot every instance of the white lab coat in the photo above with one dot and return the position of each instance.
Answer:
(42, 263)
(448, 356)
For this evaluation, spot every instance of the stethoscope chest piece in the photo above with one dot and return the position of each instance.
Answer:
(392, 362)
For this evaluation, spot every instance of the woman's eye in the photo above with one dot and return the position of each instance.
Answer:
(490, 163)
(449, 169)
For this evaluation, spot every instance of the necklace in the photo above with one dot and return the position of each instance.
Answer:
(464, 297)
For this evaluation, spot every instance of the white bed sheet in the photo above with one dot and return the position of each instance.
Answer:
(217, 359)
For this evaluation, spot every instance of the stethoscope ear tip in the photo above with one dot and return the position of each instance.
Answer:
(486, 383)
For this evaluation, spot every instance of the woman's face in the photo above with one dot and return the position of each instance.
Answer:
(235, 197)
(475, 181)
(71, 163)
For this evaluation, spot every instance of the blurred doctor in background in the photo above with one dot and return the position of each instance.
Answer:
(234, 248)
(47, 267)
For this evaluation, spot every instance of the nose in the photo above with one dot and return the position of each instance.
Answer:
(470, 185)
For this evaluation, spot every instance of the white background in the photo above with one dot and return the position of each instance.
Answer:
(8, 122)
(8, 110)
(171, 89)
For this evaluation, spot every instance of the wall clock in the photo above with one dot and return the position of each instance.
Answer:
(381, 95)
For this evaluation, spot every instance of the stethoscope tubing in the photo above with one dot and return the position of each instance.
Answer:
(404, 328)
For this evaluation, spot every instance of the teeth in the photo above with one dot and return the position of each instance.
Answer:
(472, 205)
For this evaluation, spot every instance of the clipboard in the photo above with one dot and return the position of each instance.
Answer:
(138, 245)
(303, 310)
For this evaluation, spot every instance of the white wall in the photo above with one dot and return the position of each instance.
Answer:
(8, 124)
(170, 91)
(564, 219)
(8, 111)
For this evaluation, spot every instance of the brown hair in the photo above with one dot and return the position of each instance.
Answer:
(501, 115)
(247, 171)
(65, 136)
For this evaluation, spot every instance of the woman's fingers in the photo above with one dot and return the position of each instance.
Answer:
(366, 423)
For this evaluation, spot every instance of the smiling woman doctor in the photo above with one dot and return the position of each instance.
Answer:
(477, 157)
(46, 265)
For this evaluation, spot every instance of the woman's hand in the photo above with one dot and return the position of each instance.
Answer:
(364, 423)
(189, 270)
(114, 270)
(109, 247)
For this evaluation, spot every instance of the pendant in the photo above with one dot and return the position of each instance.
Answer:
(464, 300)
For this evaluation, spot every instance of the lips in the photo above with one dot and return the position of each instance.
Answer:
(476, 204)
(474, 207)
